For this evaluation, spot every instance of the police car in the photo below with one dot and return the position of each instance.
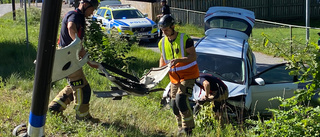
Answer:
(127, 21)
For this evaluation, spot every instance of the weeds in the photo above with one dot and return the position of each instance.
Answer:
(299, 118)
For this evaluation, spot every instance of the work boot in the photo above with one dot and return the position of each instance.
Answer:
(88, 118)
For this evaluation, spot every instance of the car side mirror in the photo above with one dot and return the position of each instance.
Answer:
(145, 15)
(259, 81)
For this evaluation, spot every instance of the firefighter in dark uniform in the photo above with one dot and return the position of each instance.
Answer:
(165, 10)
(177, 49)
(78, 88)
(216, 92)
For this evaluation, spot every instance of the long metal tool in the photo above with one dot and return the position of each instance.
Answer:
(129, 86)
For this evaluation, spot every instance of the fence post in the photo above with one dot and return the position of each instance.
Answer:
(290, 40)
(307, 20)
(187, 16)
(26, 22)
(21, 3)
(14, 9)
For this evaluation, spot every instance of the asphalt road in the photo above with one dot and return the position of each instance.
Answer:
(263, 61)
(5, 8)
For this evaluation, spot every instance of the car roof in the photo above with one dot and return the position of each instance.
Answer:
(115, 7)
(213, 44)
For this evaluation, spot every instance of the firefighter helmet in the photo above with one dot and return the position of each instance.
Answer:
(166, 21)
(93, 3)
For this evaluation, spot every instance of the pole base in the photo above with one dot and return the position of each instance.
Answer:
(20, 131)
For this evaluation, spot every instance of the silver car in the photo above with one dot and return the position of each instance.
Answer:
(224, 52)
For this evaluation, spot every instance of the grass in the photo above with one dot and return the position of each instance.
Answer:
(8, 1)
(191, 30)
(16, 56)
(131, 116)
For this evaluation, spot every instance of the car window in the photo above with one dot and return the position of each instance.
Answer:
(277, 75)
(102, 12)
(226, 68)
(228, 23)
(128, 14)
(99, 11)
(108, 13)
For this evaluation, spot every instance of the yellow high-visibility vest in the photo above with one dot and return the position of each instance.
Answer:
(175, 50)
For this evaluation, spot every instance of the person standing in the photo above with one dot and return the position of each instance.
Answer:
(165, 10)
(78, 88)
(178, 50)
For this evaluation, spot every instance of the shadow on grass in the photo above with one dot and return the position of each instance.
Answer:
(17, 58)
(130, 130)
(140, 66)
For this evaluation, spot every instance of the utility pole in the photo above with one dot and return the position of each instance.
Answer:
(26, 22)
(307, 20)
(49, 24)
(14, 9)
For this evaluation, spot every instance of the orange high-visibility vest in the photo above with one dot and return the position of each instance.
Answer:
(181, 71)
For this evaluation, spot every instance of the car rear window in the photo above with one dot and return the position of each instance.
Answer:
(229, 23)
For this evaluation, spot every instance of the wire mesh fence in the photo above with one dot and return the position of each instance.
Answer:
(292, 36)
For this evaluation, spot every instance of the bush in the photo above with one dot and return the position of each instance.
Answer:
(296, 117)
(108, 48)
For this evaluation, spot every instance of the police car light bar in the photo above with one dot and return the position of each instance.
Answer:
(119, 6)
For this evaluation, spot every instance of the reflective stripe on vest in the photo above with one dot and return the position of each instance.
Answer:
(184, 67)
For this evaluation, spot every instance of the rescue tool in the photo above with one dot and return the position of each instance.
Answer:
(130, 85)
(67, 61)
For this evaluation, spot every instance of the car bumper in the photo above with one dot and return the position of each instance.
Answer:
(150, 34)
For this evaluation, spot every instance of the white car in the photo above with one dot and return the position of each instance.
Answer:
(224, 52)
(127, 21)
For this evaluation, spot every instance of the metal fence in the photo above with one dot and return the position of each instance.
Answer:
(184, 16)
(264, 9)
(288, 31)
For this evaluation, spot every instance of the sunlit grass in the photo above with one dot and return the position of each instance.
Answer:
(191, 30)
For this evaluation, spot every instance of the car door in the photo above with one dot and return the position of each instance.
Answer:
(278, 83)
